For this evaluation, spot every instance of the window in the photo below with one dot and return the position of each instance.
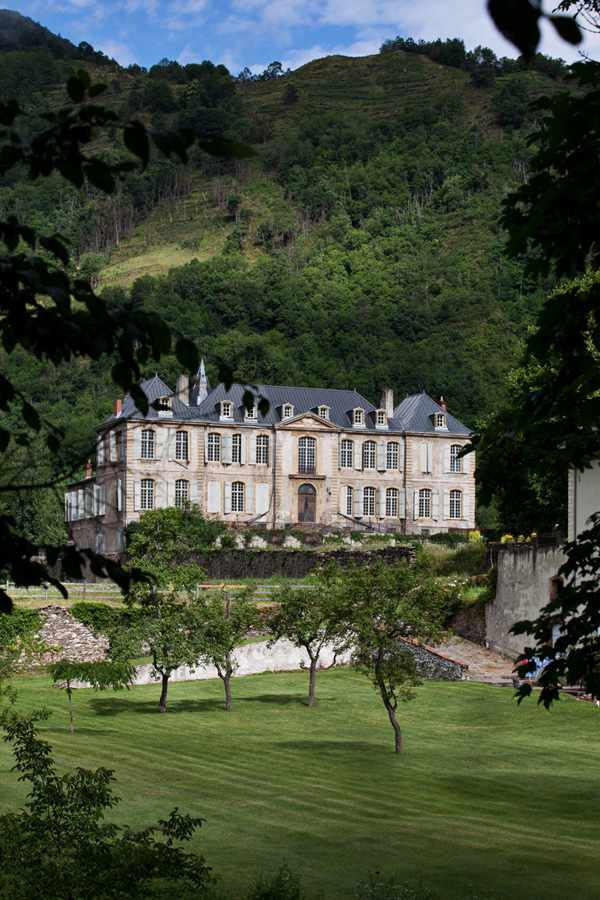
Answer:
(147, 451)
(346, 455)
(307, 455)
(236, 448)
(392, 455)
(237, 496)
(455, 462)
(359, 417)
(252, 413)
(226, 409)
(147, 493)
(182, 492)
(182, 446)
(369, 501)
(288, 412)
(324, 412)
(262, 449)
(164, 404)
(214, 448)
(425, 503)
(440, 420)
(455, 504)
(369, 455)
(381, 417)
(391, 502)
(349, 501)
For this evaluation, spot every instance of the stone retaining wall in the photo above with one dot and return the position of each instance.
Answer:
(68, 638)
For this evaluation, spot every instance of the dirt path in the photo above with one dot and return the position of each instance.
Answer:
(484, 665)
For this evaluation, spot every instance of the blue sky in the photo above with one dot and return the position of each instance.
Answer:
(254, 33)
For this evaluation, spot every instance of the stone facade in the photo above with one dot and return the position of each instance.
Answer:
(325, 458)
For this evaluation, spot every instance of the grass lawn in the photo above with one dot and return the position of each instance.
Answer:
(488, 795)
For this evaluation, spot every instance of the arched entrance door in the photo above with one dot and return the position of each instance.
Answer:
(307, 503)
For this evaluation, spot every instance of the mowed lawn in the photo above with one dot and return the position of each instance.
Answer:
(488, 795)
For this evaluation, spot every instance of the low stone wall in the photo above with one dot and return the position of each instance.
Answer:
(261, 564)
(67, 638)
(432, 664)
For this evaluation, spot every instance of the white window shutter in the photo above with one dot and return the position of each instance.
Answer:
(160, 443)
(423, 457)
(436, 505)
(381, 456)
(243, 450)
(81, 504)
(99, 451)
(466, 463)
(252, 450)
(102, 504)
(402, 503)
(112, 439)
(158, 495)
(226, 448)
(447, 458)
(67, 507)
(206, 446)
(170, 492)
(190, 446)
(446, 504)
(95, 499)
(119, 495)
(339, 465)
(171, 444)
(415, 504)
(249, 498)
(358, 502)
(213, 497)
(73, 506)
(381, 503)
(227, 497)
(401, 452)
(193, 491)
(465, 504)
(358, 460)
(429, 457)
(137, 495)
(262, 497)
(137, 444)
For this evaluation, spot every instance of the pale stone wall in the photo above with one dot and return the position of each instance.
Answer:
(525, 575)
(583, 498)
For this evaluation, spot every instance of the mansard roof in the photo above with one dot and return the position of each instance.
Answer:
(154, 389)
(304, 400)
(417, 412)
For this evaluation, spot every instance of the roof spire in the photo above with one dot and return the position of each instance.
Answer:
(202, 386)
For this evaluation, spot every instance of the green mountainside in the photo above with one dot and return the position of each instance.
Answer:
(360, 248)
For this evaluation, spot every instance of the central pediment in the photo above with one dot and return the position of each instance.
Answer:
(309, 422)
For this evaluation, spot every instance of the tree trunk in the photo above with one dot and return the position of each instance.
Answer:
(392, 714)
(312, 682)
(162, 703)
(226, 680)
(70, 704)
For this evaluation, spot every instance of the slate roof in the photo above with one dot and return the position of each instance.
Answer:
(340, 403)
(417, 411)
(155, 388)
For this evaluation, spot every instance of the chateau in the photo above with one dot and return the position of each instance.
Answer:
(318, 456)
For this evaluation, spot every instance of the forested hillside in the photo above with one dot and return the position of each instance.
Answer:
(360, 247)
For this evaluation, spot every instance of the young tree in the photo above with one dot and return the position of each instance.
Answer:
(225, 622)
(388, 610)
(60, 845)
(310, 619)
(99, 675)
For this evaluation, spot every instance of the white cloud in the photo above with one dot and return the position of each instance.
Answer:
(119, 51)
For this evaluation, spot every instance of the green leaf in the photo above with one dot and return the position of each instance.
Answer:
(518, 21)
(52, 443)
(85, 78)
(220, 146)
(99, 174)
(567, 28)
(97, 89)
(30, 415)
(187, 354)
(7, 392)
(4, 439)
(75, 89)
(136, 140)
(56, 246)
(225, 374)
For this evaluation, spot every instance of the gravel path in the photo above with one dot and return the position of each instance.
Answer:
(484, 665)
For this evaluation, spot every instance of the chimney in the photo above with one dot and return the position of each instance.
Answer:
(387, 401)
(117, 408)
(183, 389)
(88, 469)
(443, 403)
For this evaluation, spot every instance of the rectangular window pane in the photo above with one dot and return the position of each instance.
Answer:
(147, 493)
(147, 451)
(392, 455)
(425, 504)
(236, 448)
(262, 449)
(347, 455)
(181, 446)
(181, 492)
(237, 496)
(455, 462)
(349, 501)
(455, 504)
(214, 447)
(369, 501)
(391, 502)
(369, 455)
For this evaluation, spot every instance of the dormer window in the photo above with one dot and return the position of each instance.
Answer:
(439, 420)
(252, 413)
(359, 417)
(163, 406)
(287, 412)
(226, 409)
(324, 412)
(381, 418)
